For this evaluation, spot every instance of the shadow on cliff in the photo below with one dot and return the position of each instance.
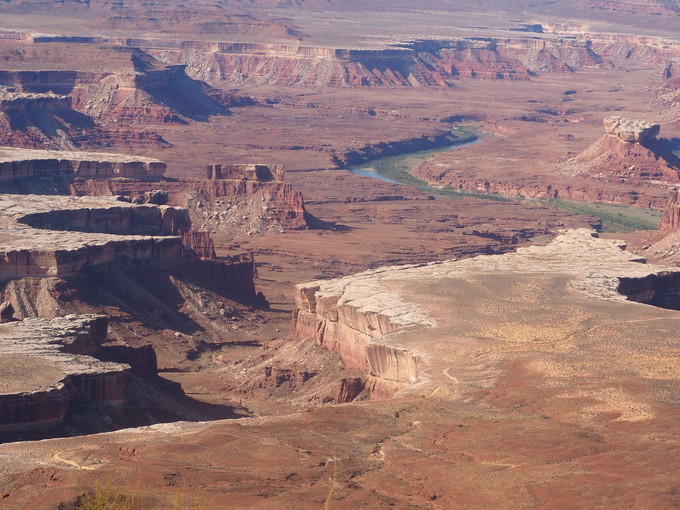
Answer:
(161, 295)
(148, 296)
(148, 402)
(171, 87)
(667, 149)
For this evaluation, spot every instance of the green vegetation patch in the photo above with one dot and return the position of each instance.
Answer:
(615, 218)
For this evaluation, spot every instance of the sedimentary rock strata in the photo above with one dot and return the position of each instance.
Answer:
(631, 130)
(628, 152)
(236, 196)
(428, 63)
(133, 88)
(47, 368)
(234, 202)
(372, 321)
(670, 220)
(30, 163)
(58, 236)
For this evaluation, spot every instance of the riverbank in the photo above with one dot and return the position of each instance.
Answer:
(398, 169)
(442, 140)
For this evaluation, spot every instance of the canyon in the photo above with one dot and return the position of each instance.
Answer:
(628, 154)
(481, 326)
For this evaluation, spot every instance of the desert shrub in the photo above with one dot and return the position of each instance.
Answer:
(111, 498)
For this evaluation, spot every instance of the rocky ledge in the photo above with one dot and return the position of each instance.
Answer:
(46, 371)
(23, 163)
(57, 235)
(628, 152)
(631, 130)
(392, 321)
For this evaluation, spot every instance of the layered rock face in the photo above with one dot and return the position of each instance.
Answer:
(670, 220)
(40, 234)
(141, 91)
(417, 64)
(631, 130)
(663, 245)
(374, 323)
(48, 121)
(238, 200)
(669, 92)
(249, 171)
(235, 197)
(628, 152)
(47, 369)
(31, 163)
(56, 236)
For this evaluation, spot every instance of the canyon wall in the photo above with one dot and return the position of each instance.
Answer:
(628, 152)
(627, 165)
(29, 163)
(374, 324)
(47, 369)
(360, 336)
(141, 90)
(670, 221)
(227, 205)
(417, 64)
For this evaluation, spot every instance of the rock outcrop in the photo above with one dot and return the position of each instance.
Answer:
(16, 164)
(631, 130)
(629, 152)
(664, 245)
(415, 64)
(239, 201)
(375, 324)
(135, 89)
(248, 171)
(670, 220)
(48, 121)
(250, 197)
(58, 236)
(157, 92)
(47, 370)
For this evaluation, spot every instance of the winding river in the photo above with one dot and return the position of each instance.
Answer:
(368, 169)
(397, 170)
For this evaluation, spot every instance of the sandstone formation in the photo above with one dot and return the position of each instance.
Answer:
(536, 370)
(628, 152)
(670, 220)
(669, 92)
(262, 173)
(59, 236)
(48, 121)
(142, 261)
(238, 196)
(47, 369)
(631, 130)
(134, 89)
(374, 326)
(32, 163)
(416, 64)
(164, 89)
(664, 246)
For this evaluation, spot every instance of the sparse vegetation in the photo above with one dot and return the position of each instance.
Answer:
(615, 218)
(111, 498)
